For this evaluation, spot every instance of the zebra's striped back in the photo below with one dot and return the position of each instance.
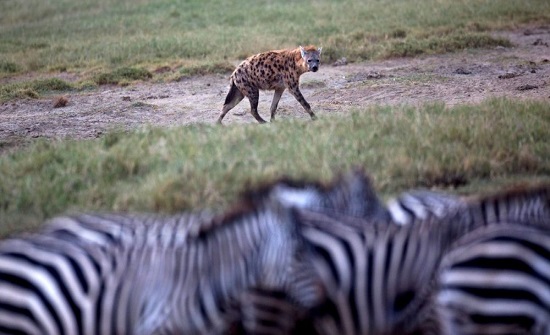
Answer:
(378, 277)
(497, 281)
(420, 204)
(108, 273)
(458, 216)
(399, 266)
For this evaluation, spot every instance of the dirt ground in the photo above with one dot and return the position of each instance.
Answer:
(522, 72)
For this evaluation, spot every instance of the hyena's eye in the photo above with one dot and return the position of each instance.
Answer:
(310, 60)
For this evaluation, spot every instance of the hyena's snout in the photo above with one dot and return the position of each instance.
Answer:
(313, 65)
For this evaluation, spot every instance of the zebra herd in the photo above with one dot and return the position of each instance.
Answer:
(290, 257)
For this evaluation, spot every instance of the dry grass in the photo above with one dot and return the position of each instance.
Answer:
(460, 149)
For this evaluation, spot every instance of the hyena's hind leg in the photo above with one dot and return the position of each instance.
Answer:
(253, 94)
(275, 102)
(231, 100)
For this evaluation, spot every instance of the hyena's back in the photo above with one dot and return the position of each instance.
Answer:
(264, 71)
(272, 70)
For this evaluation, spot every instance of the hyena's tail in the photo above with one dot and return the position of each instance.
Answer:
(231, 100)
(233, 94)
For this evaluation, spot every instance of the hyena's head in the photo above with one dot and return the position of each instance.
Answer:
(311, 56)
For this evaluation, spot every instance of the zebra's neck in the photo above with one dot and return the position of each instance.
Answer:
(529, 207)
(223, 261)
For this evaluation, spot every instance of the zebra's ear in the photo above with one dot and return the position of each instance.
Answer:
(303, 52)
(289, 196)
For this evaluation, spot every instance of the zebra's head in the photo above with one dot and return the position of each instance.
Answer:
(351, 194)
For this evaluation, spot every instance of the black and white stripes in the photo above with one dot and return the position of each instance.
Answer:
(289, 257)
(118, 274)
(497, 281)
(347, 251)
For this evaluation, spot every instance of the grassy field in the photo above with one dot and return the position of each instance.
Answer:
(116, 42)
(460, 149)
(96, 42)
(91, 37)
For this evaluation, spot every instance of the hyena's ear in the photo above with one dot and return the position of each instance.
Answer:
(302, 51)
(319, 50)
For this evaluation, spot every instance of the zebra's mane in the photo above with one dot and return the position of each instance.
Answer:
(246, 205)
(519, 192)
(338, 221)
(256, 198)
(263, 191)
(287, 192)
(302, 193)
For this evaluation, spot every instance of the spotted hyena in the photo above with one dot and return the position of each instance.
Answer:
(272, 70)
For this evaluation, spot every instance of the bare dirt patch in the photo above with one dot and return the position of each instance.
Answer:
(522, 72)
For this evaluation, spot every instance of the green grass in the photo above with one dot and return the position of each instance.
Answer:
(122, 75)
(33, 88)
(104, 35)
(101, 41)
(461, 149)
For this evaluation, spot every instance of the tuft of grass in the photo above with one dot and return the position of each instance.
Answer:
(401, 44)
(8, 67)
(462, 148)
(122, 75)
(205, 68)
(33, 89)
(51, 85)
(449, 43)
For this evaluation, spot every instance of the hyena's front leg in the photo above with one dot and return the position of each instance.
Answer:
(254, 96)
(295, 91)
(275, 102)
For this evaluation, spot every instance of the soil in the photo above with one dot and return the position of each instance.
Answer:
(521, 72)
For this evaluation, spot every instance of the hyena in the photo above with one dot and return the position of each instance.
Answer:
(272, 70)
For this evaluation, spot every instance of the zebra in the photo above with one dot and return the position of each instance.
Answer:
(521, 207)
(353, 194)
(108, 273)
(420, 204)
(497, 281)
(350, 193)
(378, 277)
(382, 279)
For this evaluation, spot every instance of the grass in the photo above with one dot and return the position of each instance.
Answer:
(461, 149)
(118, 42)
(84, 35)
(33, 88)
(122, 75)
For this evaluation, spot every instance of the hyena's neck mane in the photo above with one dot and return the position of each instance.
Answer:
(298, 60)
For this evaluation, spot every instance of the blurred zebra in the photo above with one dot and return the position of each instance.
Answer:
(379, 278)
(351, 193)
(417, 205)
(382, 278)
(497, 281)
(458, 217)
(145, 274)
(481, 304)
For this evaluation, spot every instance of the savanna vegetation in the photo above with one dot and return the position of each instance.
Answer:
(109, 41)
(462, 149)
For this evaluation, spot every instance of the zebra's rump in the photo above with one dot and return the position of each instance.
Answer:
(497, 281)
